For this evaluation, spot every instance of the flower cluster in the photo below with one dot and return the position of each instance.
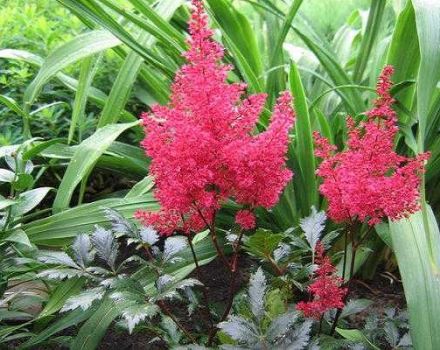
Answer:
(326, 289)
(369, 180)
(202, 146)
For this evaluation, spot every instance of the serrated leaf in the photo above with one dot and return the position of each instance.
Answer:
(135, 314)
(149, 235)
(173, 245)
(106, 246)
(405, 340)
(391, 333)
(257, 293)
(281, 252)
(56, 258)
(281, 325)
(297, 338)
(83, 300)
(241, 330)
(82, 249)
(59, 274)
(355, 306)
(313, 226)
(263, 243)
(120, 224)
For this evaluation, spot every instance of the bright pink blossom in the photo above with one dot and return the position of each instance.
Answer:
(202, 146)
(246, 219)
(369, 180)
(326, 289)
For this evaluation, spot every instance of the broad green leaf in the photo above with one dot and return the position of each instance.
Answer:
(357, 336)
(427, 14)
(6, 175)
(420, 273)
(86, 75)
(128, 73)
(92, 331)
(82, 46)
(404, 43)
(61, 293)
(84, 160)
(59, 229)
(240, 40)
(376, 12)
(29, 200)
(71, 319)
(19, 236)
(304, 143)
(263, 243)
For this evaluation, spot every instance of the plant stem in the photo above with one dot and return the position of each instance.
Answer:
(166, 311)
(354, 246)
(233, 270)
(214, 239)
(204, 291)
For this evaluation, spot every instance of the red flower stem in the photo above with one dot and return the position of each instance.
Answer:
(278, 270)
(213, 235)
(166, 311)
(354, 246)
(234, 270)
(204, 289)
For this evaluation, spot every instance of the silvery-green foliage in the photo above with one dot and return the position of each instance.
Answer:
(82, 250)
(56, 258)
(257, 292)
(390, 328)
(313, 226)
(281, 252)
(355, 306)
(243, 331)
(391, 333)
(106, 245)
(59, 274)
(168, 287)
(296, 338)
(172, 247)
(171, 333)
(120, 225)
(261, 331)
(135, 314)
(83, 300)
(149, 235)
(281, 323)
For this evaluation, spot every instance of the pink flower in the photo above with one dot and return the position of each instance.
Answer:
(246, 219)
(202, 147)
(326, 289)
(369, 180)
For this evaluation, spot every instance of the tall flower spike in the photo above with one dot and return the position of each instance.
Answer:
(202, 146)
(369, 181)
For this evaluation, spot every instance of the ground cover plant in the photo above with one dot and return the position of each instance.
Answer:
(219, 174)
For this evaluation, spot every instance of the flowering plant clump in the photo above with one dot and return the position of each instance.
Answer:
(326, 289)
(369, 180)
(201, 144)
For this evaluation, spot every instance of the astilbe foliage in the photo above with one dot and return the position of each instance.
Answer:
(327, 289)
(201, 144)
(369, 181)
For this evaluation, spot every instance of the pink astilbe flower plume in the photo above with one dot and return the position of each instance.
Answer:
(369, 181)
(326, 289)
(201, 144)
